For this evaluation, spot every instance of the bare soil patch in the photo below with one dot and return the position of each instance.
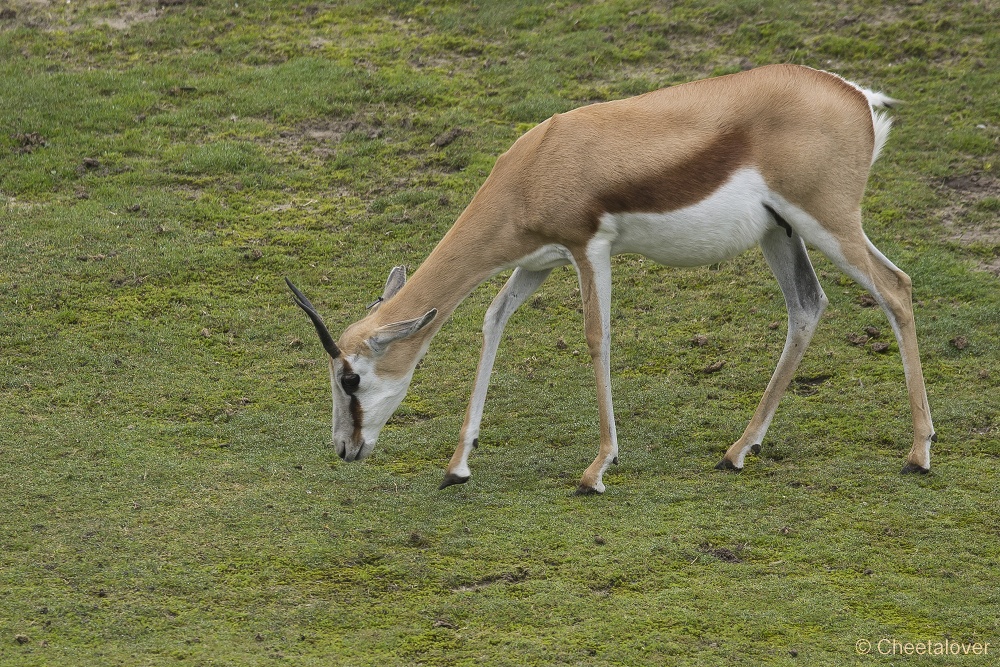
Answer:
(27, 143)
(322, 137)
(128, 18)
(724, 554)
(963, 222)
(49, 15)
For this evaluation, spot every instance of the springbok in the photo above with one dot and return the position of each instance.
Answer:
(687, 176)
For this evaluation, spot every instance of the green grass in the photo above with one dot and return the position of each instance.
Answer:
(169, 494)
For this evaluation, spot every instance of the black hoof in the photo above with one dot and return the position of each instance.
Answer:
(911, 468)
(585, 491)
(726, 464)
(755, 449)
(451, 479)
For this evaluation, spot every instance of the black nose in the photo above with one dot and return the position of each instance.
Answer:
(343, 453)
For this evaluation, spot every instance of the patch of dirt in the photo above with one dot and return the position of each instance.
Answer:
(28, 142)
(517, 576)
(448, 137)
(335, 131)
(867, 301)
(857, 339)
(714, 367)
(322, 137)
(993, 266)
(128, 18)
(417, 540)
(60, 15)
(966, 191)
(807, 386)
(723, 553)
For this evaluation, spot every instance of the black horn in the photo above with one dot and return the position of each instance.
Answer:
(324, 333)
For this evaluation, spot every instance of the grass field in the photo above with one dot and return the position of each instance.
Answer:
(169, 494)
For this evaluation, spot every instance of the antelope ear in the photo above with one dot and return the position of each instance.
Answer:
(394, 283)
(390, 333)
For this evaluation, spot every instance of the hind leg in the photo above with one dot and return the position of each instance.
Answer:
(849, 248)
(805, 301)
(892, 289)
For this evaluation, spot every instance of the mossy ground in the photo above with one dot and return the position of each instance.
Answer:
(169, 494)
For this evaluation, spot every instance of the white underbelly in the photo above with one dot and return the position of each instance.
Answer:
(547, 257)
(728, 222)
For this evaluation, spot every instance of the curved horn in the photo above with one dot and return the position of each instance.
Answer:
(324, 334)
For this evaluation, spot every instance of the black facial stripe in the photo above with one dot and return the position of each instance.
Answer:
(357, 417)
(357, 413)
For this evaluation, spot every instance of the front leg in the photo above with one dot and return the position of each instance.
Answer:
(519, 287)
(594, 270)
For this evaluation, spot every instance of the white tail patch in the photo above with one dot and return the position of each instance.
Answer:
(881, 123)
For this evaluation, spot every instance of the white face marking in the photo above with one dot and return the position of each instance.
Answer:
(719, 227)
(378, 398)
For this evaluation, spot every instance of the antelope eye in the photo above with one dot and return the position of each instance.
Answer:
(350, 382)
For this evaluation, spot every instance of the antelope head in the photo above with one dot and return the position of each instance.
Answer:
(370, 368)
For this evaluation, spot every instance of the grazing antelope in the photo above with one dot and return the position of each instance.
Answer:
(687, 176)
